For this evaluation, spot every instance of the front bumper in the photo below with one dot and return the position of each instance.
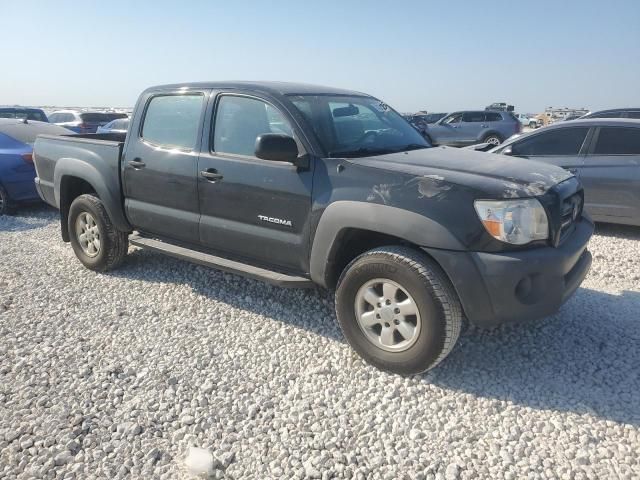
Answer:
(498, 287)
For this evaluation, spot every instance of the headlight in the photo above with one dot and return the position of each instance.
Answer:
(514, 221)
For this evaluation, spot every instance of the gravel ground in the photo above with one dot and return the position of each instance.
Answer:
(118, 375)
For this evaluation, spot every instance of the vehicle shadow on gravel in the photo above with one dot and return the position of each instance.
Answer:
(585, 359)
(628, 232)
(310, 309)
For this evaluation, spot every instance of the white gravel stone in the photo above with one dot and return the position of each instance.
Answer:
(199, 462)
(121, 375)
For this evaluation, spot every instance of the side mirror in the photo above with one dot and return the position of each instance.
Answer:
(276, 147)
(507, 151)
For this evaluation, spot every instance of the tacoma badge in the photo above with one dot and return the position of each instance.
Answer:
(279, 221)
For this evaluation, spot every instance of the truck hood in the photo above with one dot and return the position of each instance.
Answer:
(499, 176)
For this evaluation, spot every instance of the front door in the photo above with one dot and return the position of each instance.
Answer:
(471, 126)
(611, 174)
(252, 208)
(161, 163)
(447, 131)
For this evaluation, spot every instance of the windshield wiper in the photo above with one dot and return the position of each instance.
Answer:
(361, 152)
(413, 146)
(364, 151)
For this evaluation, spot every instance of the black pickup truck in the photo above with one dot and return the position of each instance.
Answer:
(302, 185)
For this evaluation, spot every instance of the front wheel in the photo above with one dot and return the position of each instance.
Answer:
(95, 241)
(533, 124)
(398, 310)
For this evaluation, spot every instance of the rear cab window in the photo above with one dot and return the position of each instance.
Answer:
(173, 120)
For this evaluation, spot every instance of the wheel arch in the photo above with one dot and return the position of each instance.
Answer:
(73, 178)
(348, 228)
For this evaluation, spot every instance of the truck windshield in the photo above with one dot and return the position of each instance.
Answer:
(357, 126)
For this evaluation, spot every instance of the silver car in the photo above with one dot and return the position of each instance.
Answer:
(119, 125)
(459, 129)
(603, 153)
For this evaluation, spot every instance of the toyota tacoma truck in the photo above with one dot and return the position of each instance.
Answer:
(301, 185)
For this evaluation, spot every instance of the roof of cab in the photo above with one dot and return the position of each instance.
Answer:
(274, 88)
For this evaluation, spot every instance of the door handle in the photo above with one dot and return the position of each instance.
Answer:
(137, 163)
(211, 174)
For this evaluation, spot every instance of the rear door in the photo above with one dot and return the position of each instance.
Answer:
(564, 147)
(611, 174)
(252, 208)
(160, 164)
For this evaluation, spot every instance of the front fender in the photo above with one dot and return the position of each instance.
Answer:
(409, 226)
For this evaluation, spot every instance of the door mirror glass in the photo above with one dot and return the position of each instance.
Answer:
(276, 147)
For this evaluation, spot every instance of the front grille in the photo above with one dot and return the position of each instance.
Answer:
(570, 213)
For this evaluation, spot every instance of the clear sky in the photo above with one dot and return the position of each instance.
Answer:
(434, 55)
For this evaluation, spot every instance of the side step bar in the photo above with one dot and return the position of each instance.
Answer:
(276, 278)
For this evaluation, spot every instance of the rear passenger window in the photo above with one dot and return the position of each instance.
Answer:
(562, 141)
(633, 115)
(618, 141)
(240, 120)
(495, 117)
(473, 117)
(173, 120)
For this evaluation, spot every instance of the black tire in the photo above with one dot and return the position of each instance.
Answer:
(6, 205)
(436, 300)
(533, 124)
(113, 243)
(493, 139)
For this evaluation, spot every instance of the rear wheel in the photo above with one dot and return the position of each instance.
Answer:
(398, 310)
(95, 241)
(492, 139)
(5, 202)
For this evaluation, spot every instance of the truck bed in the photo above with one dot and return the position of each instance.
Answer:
(94, 156)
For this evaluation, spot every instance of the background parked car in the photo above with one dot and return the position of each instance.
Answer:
(420, 120)
(528, 121)
(23, 112)
(470, 127)
(119, 125)
(16, 162)
(603, 153)
(500, 107)
(615, 113)
(83, 122)
(573, 116)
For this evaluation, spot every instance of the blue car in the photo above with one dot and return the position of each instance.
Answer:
(16, 162)
(23, 112)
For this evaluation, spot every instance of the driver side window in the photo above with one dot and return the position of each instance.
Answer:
(240, 120)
